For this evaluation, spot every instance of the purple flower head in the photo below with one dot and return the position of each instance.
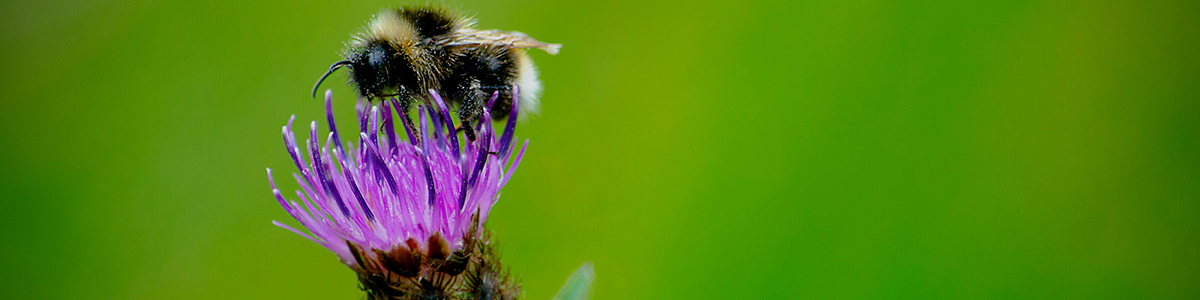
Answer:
(396, 206)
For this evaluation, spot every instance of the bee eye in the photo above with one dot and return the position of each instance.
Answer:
(375, 58)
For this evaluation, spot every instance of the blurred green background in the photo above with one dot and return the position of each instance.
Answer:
(759, 150)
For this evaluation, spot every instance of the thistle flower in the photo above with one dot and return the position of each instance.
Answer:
(406, 214)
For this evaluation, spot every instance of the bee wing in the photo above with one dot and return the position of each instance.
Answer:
(466, 37)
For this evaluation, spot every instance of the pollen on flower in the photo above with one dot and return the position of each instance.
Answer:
(406, 214)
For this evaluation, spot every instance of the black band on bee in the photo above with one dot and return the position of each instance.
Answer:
(430, 21)
(334, 67)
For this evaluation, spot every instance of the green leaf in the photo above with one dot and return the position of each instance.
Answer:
(579, 285)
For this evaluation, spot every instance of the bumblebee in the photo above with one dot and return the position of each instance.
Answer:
(407, 51)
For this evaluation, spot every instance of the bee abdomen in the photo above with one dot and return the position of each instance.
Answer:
(479, 72)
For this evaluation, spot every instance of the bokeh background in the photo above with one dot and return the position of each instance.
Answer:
(757, 150)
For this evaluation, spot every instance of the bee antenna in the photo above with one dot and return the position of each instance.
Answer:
(334, 67)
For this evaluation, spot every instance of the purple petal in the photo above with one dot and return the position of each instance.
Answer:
(329, 117)
(354, 186)
(289, 228)
(373, 150)
(450, 132)
(516, 162)
(326, 181)
(480, 160)
(392, 139)
(405, 121)
(428, 177)
(432, 117)
(511, 126)
(492, 102)
(289, 141)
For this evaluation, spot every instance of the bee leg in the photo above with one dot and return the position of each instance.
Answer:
(467, 129)
(468, 111)
(470, 133)
(410, 127)
(471, 100)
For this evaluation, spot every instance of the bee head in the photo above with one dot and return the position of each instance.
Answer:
(375, 69)
(371, 68)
